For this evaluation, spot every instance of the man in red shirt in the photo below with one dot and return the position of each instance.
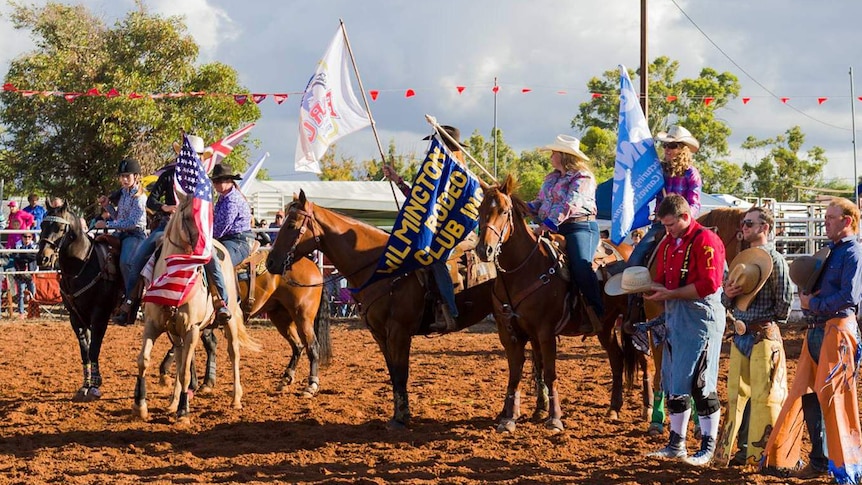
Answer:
(690, 268)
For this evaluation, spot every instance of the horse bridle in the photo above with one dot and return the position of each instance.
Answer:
(55, 244)
(307, 223)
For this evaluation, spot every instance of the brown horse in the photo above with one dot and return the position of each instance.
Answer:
(293, 302)
(532, 304)
(394, 308)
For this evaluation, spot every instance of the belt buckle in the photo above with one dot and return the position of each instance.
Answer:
(739, 327)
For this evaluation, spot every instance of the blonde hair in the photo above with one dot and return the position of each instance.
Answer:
(573, 163)
(681, 162)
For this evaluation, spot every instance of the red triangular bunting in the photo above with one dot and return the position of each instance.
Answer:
(671, 98)
(94, 92)
(134, 95)
(708, 100)
(374, 93)
(525, 90)
(496, 89)
(257, 98)
(71, 96)
(112, 93)
(745, 100)
(785, 100)
(240, 98)
(9, 87)
(860, 98)
(821, 100)
(409, 93)
(460, 89)
(279, 98)
(596, 95)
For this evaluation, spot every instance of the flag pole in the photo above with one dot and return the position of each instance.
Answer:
(433, 122)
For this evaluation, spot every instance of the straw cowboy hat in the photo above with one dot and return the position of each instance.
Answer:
(221, 172)
(749, 269)
(195, 141)
(805, 270)
(679, 134)
(454, 133)
(635, 279)
(566, 144)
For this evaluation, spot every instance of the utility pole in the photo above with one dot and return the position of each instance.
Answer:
(853, 138)
(644, 62)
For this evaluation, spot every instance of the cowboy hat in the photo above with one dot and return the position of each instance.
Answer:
(195, 141)
(635, 279)
(805, 270)
(454, 133)
(679, 134)
(221, 172)
(566, 144)
(749, 269)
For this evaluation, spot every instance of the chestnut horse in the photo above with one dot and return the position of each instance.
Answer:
(90, 284)
(532, 304)
(185, 322)
(394, 308)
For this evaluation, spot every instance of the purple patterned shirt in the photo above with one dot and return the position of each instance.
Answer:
(564, 196)
(688, 185)
(231, 214)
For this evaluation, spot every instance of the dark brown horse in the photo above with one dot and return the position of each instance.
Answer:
(395, 308)
(532, 304)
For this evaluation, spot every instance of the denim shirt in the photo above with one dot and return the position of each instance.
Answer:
(840, 284)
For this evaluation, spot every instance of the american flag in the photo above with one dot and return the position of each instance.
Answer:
(190, 179)
(223, 147)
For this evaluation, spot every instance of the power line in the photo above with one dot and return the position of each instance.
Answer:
(725, 54)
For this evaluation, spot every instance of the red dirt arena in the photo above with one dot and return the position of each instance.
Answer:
(457, 387)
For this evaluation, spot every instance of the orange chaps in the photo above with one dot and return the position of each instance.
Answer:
(833, 379)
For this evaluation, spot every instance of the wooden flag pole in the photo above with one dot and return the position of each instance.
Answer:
(433, 122)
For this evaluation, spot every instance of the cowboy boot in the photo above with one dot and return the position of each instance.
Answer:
(223, 314)
(704, 455)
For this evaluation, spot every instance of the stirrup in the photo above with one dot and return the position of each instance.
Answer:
(222, 316)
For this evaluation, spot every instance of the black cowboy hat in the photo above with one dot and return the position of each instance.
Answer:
(221, 172)
(454, 133)
(129, 165)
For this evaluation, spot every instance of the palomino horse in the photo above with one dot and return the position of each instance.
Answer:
(294, 304)
(532, 304)
(184, 323)
(90, 284)
(393, 308)
(726, 222)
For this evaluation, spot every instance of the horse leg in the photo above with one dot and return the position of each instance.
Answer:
(178, 385)
(165, 366)
(615, 357)
(541, 412)
(82, 334)
(395, 345)
(514, 347)
(210, 341)
(305, 329)
(284, 324)
(548, 349)
(232, 333)
(139, 407)
(190, 341)
(97, 336)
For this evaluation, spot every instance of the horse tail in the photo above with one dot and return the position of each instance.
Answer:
(631, 358)
(322, 329)
(245, 340)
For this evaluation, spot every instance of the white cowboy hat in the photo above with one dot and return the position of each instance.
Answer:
(197, 143)
(566, 144)
(679, 134)
(635, 279)
(805, 270)
(749, 269)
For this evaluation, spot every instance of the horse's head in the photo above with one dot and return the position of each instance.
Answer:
(298, 236)
(58, 228)
(496, 222)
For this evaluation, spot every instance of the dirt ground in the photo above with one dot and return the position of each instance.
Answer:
(457, 386)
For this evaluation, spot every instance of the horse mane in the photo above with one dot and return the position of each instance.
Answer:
(508, 187)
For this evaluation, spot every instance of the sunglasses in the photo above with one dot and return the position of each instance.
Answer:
(673, 145)
(750, 223)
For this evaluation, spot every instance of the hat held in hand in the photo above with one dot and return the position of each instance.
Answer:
(749, 269)
(805, 270)
(635, 279)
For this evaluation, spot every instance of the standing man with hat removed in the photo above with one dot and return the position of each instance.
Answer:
(690, 267)
(232, 227)
(566, 205)
(447, 310)
(829, 360)
(163, 203)
(758, 293)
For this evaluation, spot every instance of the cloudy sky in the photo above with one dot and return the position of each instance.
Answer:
(798, 49)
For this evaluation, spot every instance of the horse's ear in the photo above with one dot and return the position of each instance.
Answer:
(508, 185)
(302, 200)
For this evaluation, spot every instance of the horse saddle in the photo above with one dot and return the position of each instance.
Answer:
(108, 253)
(465, 267)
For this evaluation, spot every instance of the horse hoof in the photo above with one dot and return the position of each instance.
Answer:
(164, 380)
(395, 425)
(93, 394)
(554, 425)
(310, 391)
(282, 386)
(205, 389)
(81, 395)
(140, 412)
(613, 415)
(183, 421)
(507, 426)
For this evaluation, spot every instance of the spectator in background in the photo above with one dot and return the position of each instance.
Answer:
(279, 220)
(105, 216)
(18, 219)
(636, 236)
(25, 262)
(36, 210)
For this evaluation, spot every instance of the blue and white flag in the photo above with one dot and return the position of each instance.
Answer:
(637, 170)
(443, 207)
(251, 173)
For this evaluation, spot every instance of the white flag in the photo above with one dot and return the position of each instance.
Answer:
(251, 173)
(329, 109)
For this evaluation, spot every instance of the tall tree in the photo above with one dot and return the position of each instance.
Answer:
(337, 167)
(782, 168)
(691, 103)
(72, 148)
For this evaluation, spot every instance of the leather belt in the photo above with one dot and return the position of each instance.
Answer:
(580, 219)
(754, 328)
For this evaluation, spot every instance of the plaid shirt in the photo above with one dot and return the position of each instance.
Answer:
(564, 196)
(688, 185)
(773, 300)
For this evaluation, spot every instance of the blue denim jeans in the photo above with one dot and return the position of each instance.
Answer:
(647, 244)
(445, 285)
(582, 239)
(22, 285)
(238, 249)
(129, 240)
(145, 249)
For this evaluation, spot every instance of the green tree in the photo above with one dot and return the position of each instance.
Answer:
(405, 165)
(337, 167)
(72, 149)
(782, 168)
(672, 101)
(532, 167)
(483, 151)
